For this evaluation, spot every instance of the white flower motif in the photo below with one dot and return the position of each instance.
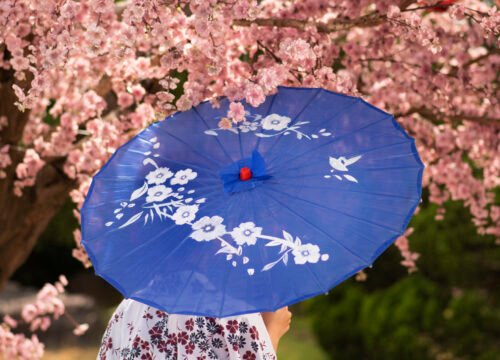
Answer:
(208, 228)
(182, 177)
(247, 126)
(306, 253)
(158, 193)
(246, 233)
(159, 176)
(275, 122)
(185, 214)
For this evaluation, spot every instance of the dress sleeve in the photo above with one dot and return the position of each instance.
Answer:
(138, 331)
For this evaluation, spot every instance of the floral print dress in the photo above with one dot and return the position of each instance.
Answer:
(138, 331)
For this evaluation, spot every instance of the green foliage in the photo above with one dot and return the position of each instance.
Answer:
(338, 62)
(452, 253)
(447, 310)
(413, 319)
(335, 325)
(48, 118)
(182, 77)
(251, 59)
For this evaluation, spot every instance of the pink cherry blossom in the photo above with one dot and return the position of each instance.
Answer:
(409, 257)
(47, 306)
(236, 112)
(225, 124)
(12, 323)
(81, 329)
(254, 95)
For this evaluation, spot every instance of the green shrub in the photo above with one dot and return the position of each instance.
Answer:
(448, 310)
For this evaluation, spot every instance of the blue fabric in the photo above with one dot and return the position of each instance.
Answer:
(230, 174)
(168, 222)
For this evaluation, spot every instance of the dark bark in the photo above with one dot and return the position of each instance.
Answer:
(23, 219)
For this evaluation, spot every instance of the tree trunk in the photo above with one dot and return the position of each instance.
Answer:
(23, 219)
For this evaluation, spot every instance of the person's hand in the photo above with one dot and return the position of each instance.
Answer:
(277, 324)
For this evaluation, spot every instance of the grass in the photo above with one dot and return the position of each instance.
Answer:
(299, 343)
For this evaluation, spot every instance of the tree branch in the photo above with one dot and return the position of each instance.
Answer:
(494, 51)
(454, 119)
(369, 20)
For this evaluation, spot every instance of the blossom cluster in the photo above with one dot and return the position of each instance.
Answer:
(38, 315)
(409, 257)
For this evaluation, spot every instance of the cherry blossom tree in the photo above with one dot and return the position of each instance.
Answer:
(79, 78)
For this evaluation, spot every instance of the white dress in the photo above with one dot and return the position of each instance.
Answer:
(138, 331)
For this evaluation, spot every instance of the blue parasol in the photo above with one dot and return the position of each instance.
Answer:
(193, 219)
